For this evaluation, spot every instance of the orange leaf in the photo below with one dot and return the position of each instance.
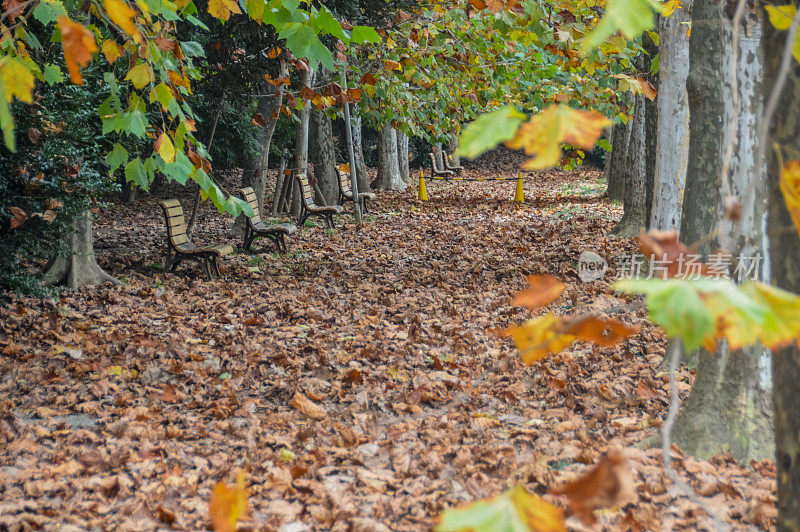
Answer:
(790, 188)
(368, 79)
(122, 15)
(308, 408)
(673, 257)
(539, 337)
(544, 133)
(18, 217)
(392, 65)
(542, 290)
(604, 332)
(258, 120)
(112, 50)
(78, 44)
(607, 484)
(228, 504)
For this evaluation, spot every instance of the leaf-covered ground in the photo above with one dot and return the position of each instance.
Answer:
(360, 380)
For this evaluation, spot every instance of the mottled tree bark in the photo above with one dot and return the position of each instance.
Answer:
(402, 156)
(785, 266)
(300, 165)
(79, 267)
(358, 148)
(729, 405)
(452, 148)
(615, 162)
(672, 144)
(634, 169)
(388, 169)
(322, 155)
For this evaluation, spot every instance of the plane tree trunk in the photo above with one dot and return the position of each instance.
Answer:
(729, 406)
(388, 169)
(78, 267)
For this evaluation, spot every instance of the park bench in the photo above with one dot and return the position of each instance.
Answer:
(346, 192)
(437, 170)
(255, 226)
(179, 247)
(447, 159)
(308, 208)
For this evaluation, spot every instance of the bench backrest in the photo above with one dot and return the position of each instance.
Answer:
(249, 196)
(176, 224)
(436, 169)
(305, 189)
(344, 182)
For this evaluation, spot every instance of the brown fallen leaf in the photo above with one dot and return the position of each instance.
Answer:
(607, 484)
(308, 408)
(542, 290)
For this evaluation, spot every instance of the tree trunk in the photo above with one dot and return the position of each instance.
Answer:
(322, 156)
(615, 162)
(672, 145)
(79, 267)
(650, 127)
(358, 147)
(280, 180)
(300, 165)
(634, 174)
(402, 156)
(388, 169)
(254, 173)
(784, 251)
(729, 405)
(452, 147)
(438, 155)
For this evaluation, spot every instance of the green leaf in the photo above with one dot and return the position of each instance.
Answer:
(362, 34)
(192, 49)
(180, 170)
(631, 17)
(706, 310)
(489, 130)
(325, 22)
(48, 11)
(303, 42)
(516, 510)
(52, 74)
(6, 121)
(116, 157)
(136, 173)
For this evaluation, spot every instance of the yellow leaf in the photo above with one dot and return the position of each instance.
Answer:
(790, 188)
(538, 338)
(670, 7)
(78, 44)
(228, 504)
(222, 9)
(112, 50)
(165, 148)
(122, 15)
(17, 79)
(544, 133)
(140, 75)
(392, 65)
(781, 16)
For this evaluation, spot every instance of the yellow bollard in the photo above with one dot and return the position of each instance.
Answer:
(519, 196)
(422, 191)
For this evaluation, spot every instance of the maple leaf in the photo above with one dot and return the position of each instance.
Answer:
(121, 13)
(18, 217)
(637, 86)
(111, 50)
(228, 504)
(542, 290)
(222, 9)
(78, 44)
(16, 79)
(790, 188)
(165, 148)
(609, 483)
(539, 337)
(544, 133)
(516, 510)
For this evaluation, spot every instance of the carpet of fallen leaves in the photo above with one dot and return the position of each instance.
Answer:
(359, 380)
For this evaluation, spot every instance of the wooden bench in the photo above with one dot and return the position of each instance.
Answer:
(255, 226)
(453, 168)
(439, 171)
(346, 192)
(179, 246)
(309, 208)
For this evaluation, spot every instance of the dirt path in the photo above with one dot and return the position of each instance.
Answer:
(359, 379)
